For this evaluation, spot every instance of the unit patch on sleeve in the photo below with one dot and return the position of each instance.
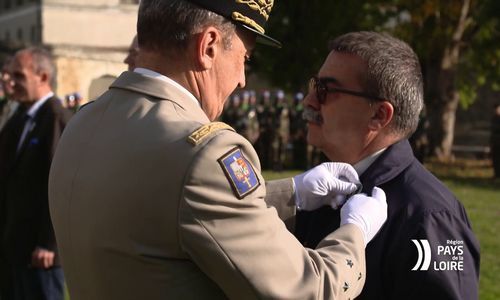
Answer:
(239, 172)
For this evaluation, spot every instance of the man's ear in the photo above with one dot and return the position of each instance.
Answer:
(208, 43)
(382, 113)
(44, 77)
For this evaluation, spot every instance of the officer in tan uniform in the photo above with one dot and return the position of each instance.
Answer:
(152, 200)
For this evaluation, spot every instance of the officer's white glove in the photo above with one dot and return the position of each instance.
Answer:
(326, 184)
(368, 213)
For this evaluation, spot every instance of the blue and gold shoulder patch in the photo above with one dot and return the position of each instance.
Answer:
(239, 172)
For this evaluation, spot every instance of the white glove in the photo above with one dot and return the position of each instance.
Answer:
(368, 213)
(326, 184)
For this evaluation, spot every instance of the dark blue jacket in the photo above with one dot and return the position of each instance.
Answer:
(421, 212)
(24, 212)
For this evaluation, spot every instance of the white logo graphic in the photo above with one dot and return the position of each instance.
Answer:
(449, 256)
(424, 256)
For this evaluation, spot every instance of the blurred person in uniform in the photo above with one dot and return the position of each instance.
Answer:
(298, 132)
(252, 129)
(265, 118)
(282, 131)
(495, 140)
(133, 51)
(418, 140)
(361, 107)
(7, 104)
(245, 100)
(233, 113)
(27, 144)
(151, 199)
(73, 102)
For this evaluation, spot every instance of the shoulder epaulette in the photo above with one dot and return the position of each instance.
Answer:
(204, 131)
(90, 102)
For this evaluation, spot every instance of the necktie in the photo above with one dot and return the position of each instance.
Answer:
(26, 126)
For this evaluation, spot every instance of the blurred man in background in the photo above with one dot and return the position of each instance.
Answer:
(30, 268)
(7, 105)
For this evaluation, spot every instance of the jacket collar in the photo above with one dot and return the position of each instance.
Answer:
(389, 164)
(155, 87)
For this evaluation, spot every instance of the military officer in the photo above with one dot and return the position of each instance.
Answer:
(152, 200)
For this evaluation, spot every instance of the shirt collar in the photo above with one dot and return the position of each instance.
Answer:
(172, 82)
(366, 162)
(36, 106)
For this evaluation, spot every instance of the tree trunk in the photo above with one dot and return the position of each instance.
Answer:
(443, 127)
(444, 93)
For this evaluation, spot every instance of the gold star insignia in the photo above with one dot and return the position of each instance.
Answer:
(346, 286)
(350, 263)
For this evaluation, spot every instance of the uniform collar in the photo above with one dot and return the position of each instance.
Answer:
(161, 90)
(170, 81)
(394, 160)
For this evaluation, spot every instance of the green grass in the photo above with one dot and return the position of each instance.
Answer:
(470, 181)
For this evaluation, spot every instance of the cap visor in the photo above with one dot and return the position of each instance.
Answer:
(262, 38)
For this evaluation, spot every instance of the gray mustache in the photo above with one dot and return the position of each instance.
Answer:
(312, 115)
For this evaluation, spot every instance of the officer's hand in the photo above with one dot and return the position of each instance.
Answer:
(326, 184)
(42, 258)
(368, 213)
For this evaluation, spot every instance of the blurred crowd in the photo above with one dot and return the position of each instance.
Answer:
(272, 122)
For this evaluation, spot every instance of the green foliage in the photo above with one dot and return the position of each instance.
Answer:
(305, 27)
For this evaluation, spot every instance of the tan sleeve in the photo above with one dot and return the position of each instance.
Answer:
(280, 195)
(246, 249)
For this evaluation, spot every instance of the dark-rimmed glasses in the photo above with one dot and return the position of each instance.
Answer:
(319, 85)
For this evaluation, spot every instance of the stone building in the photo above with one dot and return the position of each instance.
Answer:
(89, 38)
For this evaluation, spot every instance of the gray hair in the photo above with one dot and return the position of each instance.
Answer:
(393, 73)
(42, 62)
(168, 25)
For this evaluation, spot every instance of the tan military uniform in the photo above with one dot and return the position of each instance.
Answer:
(147, 203)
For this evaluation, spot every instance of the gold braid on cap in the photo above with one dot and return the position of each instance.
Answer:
(263, 6)
(244, 19)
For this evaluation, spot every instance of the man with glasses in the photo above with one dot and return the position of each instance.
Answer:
(361, 107)
(151, 199)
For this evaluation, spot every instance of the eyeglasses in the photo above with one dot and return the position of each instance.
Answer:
(318, 85)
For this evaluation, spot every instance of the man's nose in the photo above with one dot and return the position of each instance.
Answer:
(311, 100)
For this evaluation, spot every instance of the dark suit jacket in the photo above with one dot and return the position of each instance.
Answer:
(420, 207)
(24, 214)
